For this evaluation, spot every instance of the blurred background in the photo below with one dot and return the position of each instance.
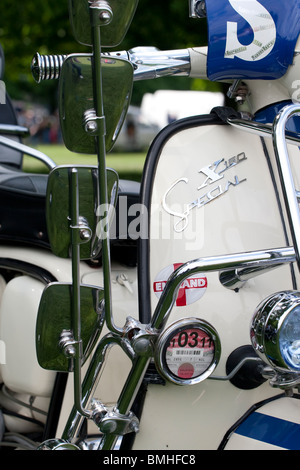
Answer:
(32, 26)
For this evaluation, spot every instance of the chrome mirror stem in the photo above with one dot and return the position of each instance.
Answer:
(76, 313)
(96, 10)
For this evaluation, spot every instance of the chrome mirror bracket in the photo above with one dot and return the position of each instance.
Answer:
(197, 9)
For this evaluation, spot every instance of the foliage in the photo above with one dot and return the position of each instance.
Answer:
(25, 28)
(30, 26)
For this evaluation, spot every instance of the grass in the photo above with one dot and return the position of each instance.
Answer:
(128, 165)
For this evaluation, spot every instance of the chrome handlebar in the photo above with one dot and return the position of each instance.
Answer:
(46, 67)
(148, 63)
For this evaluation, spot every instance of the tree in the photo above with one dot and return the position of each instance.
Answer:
(31, 26)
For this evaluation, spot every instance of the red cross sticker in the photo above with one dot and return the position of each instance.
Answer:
(191, 290)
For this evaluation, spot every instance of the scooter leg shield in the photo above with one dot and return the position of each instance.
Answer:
(18, 312)
(211, 194)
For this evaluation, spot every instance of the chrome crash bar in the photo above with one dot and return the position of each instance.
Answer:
(235, 279)
(278, 133)
(137, 341)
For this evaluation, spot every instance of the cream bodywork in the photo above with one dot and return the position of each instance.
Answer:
(226, 218)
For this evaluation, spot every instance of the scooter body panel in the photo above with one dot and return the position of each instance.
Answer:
(273, 426)
(19, 369)
(213, 193)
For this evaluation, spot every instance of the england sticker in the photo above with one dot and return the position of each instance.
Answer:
(191, 290)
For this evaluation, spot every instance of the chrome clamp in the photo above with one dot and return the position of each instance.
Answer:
(113, 422)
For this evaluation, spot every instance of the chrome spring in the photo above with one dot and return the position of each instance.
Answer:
(46, 67)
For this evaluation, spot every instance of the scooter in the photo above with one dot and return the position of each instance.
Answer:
(197, 346)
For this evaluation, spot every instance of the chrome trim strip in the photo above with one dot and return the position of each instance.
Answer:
(28, 151)
(15, 130)
(258, 128)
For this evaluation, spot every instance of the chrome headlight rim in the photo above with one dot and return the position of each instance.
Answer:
(268, 326)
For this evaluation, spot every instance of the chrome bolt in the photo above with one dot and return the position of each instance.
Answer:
(105, 17)
(91, 126)
(108, 426)
(134, 427)
(85, 235)
(142, 346)
(70, 351)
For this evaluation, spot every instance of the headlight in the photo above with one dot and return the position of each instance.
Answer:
(275, 331)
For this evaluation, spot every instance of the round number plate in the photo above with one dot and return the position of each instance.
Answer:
(188, 351)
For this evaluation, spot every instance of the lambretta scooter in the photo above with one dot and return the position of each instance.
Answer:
(210, 323)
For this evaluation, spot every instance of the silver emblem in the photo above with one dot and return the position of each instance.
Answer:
(213, 173)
